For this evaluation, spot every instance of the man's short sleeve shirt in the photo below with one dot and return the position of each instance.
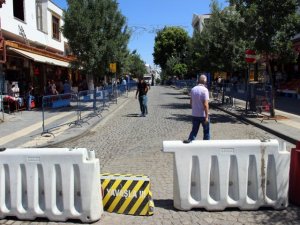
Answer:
(199, 94)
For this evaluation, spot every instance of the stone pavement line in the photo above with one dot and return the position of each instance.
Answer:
(27, 130)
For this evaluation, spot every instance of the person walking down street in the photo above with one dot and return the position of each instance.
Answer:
(199, 103)
(141, 92)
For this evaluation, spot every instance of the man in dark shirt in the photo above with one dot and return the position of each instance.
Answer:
(141, 91)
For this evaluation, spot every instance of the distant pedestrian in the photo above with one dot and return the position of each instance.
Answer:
(53, 88)
(199, 103)
(124, 81)
(30, 98)
(141, 92)
(67, 87)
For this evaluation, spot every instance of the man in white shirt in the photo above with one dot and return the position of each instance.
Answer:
(199, 102)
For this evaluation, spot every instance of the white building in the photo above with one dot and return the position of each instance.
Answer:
(34, 49)
(155, 71)
(198, 21)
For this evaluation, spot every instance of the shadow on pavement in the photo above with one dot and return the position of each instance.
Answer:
(39, 220)
(177, 106)
(183, 97)
(217, 118)
(132, 115)
(164, 203)
(180, 117)
(291, 215)
(173, 93)
(214, 118)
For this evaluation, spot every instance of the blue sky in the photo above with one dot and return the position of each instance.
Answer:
(145, 17)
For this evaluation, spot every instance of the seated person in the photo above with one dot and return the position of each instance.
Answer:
(15, 90)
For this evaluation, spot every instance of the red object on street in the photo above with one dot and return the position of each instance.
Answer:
(250, 56)
(294, 186)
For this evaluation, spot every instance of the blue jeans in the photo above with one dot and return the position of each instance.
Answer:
(143, 104)
(196, 124)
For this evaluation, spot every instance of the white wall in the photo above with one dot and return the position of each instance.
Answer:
(11, 24)
(199, 20)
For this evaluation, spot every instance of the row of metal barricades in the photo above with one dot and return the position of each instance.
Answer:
(188, 84)
(258, 96)
(77, 108)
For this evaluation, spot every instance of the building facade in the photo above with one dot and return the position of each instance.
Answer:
(198, 21)
(33, 49)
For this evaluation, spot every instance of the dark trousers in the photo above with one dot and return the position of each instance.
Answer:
(196, 125)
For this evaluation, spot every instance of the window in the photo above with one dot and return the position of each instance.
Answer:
(39, 15)
(19, 9)
(55, 27)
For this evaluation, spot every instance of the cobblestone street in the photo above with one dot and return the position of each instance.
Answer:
(127, 143)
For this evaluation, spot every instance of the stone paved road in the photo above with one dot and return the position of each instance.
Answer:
(126, 143)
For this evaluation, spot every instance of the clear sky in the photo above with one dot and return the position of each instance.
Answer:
(144, 17)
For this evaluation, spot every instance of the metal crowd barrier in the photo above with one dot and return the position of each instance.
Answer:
(59, 110)
(89, 101)
(131, 86)
(75, 108)
(189, 84)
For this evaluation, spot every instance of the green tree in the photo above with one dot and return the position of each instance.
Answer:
(97, 34)
(170, 42)
(135, 65)
(220, 45)
(175, 68)
(271, 25)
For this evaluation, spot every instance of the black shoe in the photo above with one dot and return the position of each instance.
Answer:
(187, 141)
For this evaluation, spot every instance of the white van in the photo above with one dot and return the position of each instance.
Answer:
(148, 79)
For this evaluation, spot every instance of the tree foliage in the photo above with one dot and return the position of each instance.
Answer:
(134, 65)
(170, 42)
(175, 68)
(271, 26)
(96, 32)
(221, 45)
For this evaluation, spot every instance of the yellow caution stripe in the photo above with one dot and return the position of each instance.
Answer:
(127, 194)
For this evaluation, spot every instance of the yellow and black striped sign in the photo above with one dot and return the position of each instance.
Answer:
(127, 194)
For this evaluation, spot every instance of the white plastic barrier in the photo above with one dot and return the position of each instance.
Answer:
(217, 174)
(54, 183)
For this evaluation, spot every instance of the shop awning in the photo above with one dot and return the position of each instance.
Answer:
(40, 58)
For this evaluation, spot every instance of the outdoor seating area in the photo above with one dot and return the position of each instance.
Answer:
(12, 104)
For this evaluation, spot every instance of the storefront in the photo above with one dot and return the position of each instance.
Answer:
(27, 66)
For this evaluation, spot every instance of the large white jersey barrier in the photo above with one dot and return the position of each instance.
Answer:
(217, 174)
(54, 183)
